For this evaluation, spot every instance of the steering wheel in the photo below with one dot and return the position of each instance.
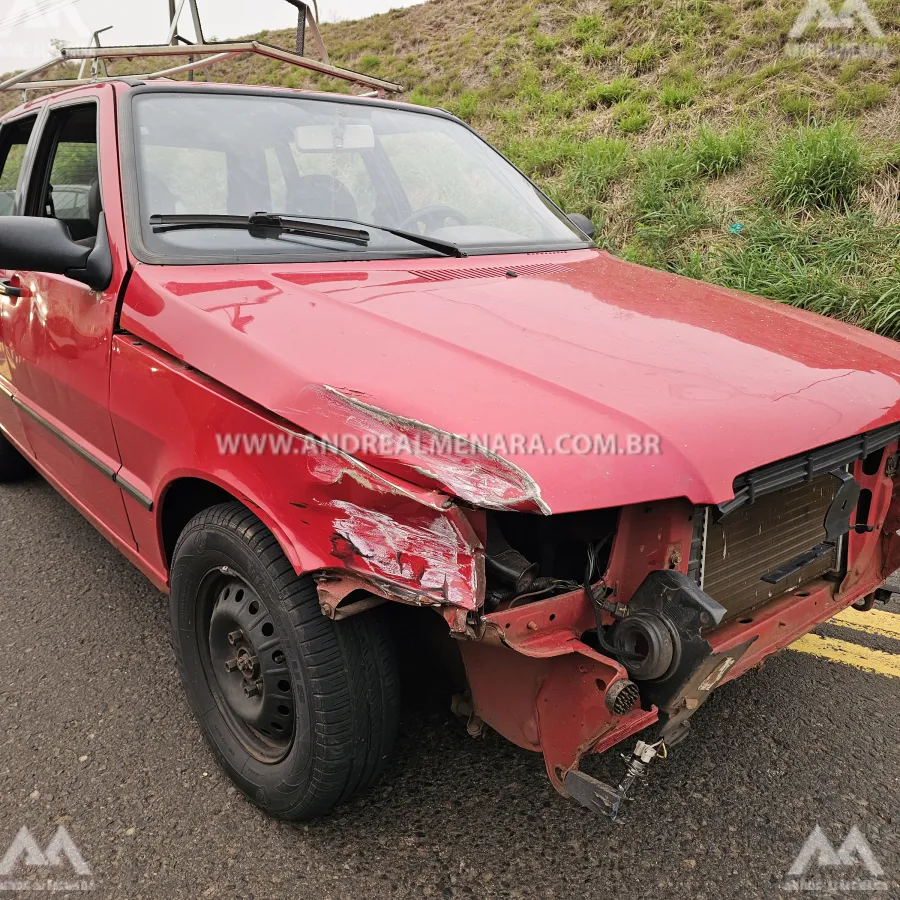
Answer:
(433, 217)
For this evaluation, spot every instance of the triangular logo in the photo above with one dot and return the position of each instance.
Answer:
(819, 850)
(820, 13)
(24, 849)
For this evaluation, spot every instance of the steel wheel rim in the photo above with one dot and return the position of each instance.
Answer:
(245, 665)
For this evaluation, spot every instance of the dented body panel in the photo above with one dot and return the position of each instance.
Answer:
(327, 510)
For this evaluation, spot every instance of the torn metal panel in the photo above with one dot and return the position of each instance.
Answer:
(462, 468)
(428, 551)
(330, 464)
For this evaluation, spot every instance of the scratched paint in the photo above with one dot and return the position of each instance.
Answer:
(427, 554)
(331, 465)
(464, 469)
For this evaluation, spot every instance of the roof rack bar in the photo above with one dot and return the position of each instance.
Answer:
(188, 67)
(61, 83)
(306, 19)
(149, 76)
(74, 53)
(95, 42)
(175, 15)
(19, 77)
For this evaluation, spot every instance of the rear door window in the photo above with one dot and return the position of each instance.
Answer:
(13, 144)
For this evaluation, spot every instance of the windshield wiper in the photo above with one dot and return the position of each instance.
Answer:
(263, 225)
(267, 225)
(445, 248)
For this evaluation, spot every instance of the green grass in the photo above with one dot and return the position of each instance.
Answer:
(837, 265)
(717, 154)
(797, 107)
(862, 97)
(679, 89)
(593, 166)
(369, 63)
(632, 116)
(642, 58)
(596, 52)
(817, 167)
(588, 29)
(606, 94)
(668, 206)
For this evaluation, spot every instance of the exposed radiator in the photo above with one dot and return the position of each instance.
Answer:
(757, 538)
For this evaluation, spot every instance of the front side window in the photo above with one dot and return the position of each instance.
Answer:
(69, 182)
(13, 144)
(204, 158)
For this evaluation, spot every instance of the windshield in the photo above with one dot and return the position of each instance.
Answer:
(206, 154)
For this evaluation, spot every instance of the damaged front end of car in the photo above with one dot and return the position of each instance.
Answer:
(578, 630)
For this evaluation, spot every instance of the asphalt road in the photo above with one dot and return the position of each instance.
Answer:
(96, 735)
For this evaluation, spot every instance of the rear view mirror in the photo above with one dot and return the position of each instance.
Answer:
(32, 244)
(312, 138)
(583, 224)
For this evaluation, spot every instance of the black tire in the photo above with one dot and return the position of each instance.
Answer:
(344, 684)
(13, 466)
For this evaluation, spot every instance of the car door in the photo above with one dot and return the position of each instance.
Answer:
(59, 332)
(15, 141)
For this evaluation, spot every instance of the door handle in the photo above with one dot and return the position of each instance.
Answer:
(7, 289)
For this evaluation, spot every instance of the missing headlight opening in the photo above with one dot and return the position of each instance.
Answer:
(529, 558)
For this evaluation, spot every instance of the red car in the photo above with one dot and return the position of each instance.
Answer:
(331, 372)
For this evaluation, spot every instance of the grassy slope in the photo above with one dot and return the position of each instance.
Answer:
(680, 126)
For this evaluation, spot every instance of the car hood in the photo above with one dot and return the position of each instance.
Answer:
(540, 358)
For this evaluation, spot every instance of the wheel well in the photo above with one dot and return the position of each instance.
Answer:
(182, 501)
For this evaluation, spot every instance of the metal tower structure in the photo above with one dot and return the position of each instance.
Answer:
(200, 53)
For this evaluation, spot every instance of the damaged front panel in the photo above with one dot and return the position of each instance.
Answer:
(428, 550)
(418, 451)
(334, 515)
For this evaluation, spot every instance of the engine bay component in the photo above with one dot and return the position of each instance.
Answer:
(648, 642)
(507, 564)
(622, 697)
(529, 558)
(660, 642)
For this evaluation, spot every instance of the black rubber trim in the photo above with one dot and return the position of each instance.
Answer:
(145, 501)
(807, 466)
(72, 445)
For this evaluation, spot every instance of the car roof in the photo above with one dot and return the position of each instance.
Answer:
(123, 84)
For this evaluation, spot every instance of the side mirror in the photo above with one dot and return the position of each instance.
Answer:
(583, 224)
(32, 244)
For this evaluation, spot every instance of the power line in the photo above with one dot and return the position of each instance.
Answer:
(41, 9)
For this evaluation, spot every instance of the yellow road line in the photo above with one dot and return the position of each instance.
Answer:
(850, 654)
(873, 622)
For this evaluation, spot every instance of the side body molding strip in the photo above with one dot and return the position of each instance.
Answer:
(75, 447)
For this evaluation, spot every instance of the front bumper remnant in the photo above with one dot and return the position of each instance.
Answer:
(600, 797)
